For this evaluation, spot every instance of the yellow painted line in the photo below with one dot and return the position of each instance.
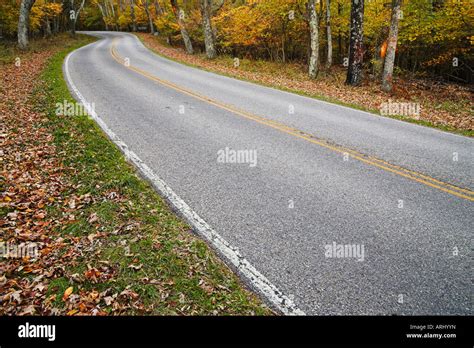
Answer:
(409, 174)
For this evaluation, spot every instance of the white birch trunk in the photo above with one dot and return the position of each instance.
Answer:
(207, 29)
(329, 34)
(387, 75)
(24, 23)
(179, 13)
(314, 39)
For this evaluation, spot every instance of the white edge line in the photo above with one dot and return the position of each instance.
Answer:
(230, 254)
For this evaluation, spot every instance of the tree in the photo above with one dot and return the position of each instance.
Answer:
(150, 21)
(179, 14)
(47, 23)
(104, 15)
(387, 74)
(114, 15)
(132, 15)
(207, 28)
(158, 10)
(24, 23)
(74, 15)
(329, 34)
(356, 44)
(314, 39)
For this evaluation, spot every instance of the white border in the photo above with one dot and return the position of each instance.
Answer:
(230, 254)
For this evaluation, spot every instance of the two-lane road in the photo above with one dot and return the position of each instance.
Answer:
(318, 176)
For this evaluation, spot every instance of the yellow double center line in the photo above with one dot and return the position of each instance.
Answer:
(409, 174)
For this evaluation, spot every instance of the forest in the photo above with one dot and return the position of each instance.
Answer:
(376, 38)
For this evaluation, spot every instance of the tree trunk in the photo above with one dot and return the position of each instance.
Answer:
(47, 28)
(55, 26)
(72, 18)
(314, 39)
(356, 49)
(150, 21)
(387, 75)
(339, 37)
(24, 23)
(329, 34)
(103, 16)
(76, 16)
(207, 29)
(158, 9)
(79, 11)
(114, 15)
(132, 15)
(184, 33)
(47, 24)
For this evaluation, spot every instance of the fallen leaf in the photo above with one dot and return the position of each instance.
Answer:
(67, 293)
(93, 218)
(29, 310)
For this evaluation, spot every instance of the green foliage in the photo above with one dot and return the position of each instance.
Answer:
(437, 33)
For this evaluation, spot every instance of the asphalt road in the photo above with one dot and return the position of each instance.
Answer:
(323, 174)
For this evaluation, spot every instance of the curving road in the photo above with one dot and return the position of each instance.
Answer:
(320, 176)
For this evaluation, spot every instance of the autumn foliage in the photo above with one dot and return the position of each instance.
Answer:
(435, 36)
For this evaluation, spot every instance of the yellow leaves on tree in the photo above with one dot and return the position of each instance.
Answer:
(43, 11)
(261, 24)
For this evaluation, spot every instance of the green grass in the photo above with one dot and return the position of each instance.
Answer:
(161, 243)
(292, 71)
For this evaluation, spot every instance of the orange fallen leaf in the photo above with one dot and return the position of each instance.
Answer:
(82, 307)
(67, 293)
(92, 274)
(72, 312)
